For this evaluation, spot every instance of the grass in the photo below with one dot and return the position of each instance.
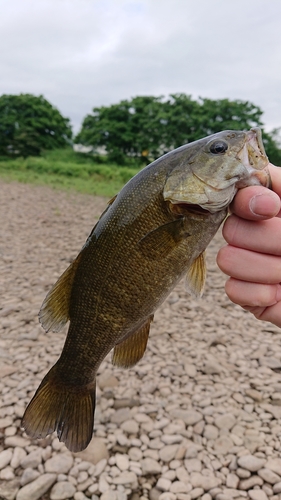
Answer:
(67, 170)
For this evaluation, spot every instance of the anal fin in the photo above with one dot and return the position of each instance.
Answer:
(196, 276)
(54, 312)
(131, 350)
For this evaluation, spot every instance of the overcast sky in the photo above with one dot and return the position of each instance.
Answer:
(85, 53)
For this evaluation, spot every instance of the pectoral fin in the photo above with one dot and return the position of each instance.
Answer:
(163, 239)
(196, 276)
(131, 350)
(54, 312)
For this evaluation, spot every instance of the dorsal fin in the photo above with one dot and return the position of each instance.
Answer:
(196, 276)
(131, 350)
(54, 312)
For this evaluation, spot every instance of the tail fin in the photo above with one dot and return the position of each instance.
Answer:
(69, 410)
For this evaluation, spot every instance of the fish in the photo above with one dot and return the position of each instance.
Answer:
(152, 234)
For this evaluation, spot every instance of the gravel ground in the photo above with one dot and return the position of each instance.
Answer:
(198, 417)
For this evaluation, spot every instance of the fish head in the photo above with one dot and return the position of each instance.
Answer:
(220, 164)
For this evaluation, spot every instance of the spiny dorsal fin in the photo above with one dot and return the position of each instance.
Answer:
(54, 312)
(163, 239)
(196, 276)
(130, 351)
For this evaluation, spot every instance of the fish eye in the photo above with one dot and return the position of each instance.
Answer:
(218, 147)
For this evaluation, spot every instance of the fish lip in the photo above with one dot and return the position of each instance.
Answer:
(253, 156)
(254, 137)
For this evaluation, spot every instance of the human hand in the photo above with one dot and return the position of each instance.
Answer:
(252, 257)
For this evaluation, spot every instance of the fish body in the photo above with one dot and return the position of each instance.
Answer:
(152, 234)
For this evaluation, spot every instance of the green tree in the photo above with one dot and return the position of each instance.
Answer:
(30, 124)
(146, 126)
(130, 128)
(272, 144)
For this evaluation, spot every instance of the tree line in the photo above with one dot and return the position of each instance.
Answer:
(141, 128)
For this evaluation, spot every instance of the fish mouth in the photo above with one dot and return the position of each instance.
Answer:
(255, 160)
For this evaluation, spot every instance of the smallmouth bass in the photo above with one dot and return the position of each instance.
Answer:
(153, 233)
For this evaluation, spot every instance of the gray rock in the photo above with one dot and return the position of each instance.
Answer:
(225, 421)
(223, 445)
(9, 489)
(109, 495)
(251, 463)
(130, 426)
(277, 488)
(274, 464)
(5, 458)
(32, 460)
(17, 441)
(18, 456)
(206, 482)
(269, 476)
(28, 476)
(190, 417)
(178, 487)
(135, 454)
(121, 415)
(60, 464)
(125, 477)
(62, 491)
(122, 462)
(163, 484)
(193, 464)
(232, 481)
(257, 495)
(100, 466)
(247, 484)
(168, 453)
(34, 490)
(150, 466)
(210, 432)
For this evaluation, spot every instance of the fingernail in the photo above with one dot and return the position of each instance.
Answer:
(264, 205)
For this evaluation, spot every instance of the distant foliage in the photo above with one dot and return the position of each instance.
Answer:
(146, 127)
(29, 125)
(272, 144)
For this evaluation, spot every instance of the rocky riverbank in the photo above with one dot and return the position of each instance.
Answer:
(198, 417)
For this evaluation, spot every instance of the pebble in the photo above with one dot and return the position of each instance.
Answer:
(163, 484)
(5, 458)
(150, 466)
(168, 453)
(28, 476)
(189, 417)
(269, 476)
(33, 460)
(251, 463)
(60, 464)
(246, 484)
(274, 464)
(122, 462)
(257, 495)
(18, 455)
(37, 488)
(62, 491)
